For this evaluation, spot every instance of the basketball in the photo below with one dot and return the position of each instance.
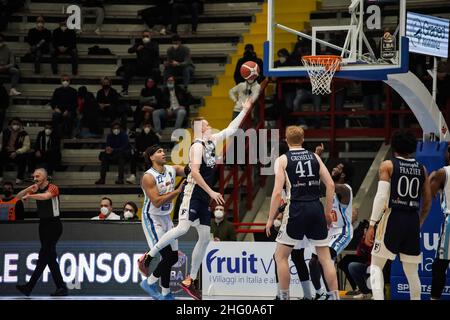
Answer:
(250, 70)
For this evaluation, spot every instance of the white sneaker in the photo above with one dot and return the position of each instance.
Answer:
(131, 179)
(163, 32)
(159, 135)
(363, 296)
(98, 31)
(14, 92)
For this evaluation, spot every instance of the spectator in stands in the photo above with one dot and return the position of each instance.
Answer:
(149, 100)
(147, 62)
(89, 111)
(194, 7)
(221, 228)
(249, 55)
(117, 151)
(15, 145)
(130, 210)
(111, 107)
(11, 208)
(176, 102)
(8, 65)
(7, 8)
(93, 7)
(146, 138)
(106, 210)
(64, 104)
(47, 150)
(159, 13)
(4, 104)
(179, 61)
(64, 43)
(39, 39)
(241, 92)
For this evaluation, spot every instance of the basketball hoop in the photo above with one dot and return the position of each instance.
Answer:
(321, 70)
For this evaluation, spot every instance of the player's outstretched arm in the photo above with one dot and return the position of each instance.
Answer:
(150, 189)
(280, 166)
(180, 170)
(426, 199)
(234, 125)
(196, 154)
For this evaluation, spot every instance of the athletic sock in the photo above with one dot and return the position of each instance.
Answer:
(284, 295)
(152, 279)
(165, 291)
(333, 295)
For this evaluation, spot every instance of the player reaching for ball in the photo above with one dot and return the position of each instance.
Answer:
(248, 89)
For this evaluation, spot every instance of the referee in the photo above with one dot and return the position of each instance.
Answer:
(50, 230)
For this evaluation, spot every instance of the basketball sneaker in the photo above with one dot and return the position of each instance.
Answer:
(191, 288)
(151, 289)
(144, 263)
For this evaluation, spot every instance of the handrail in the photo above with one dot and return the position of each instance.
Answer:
(247, 176)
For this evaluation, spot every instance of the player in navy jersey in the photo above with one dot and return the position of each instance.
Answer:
(194, 209)
(403, 184)
(301, 171)
(440, 183)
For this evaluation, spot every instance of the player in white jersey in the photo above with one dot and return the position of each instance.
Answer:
(440, 183)
(158, 185)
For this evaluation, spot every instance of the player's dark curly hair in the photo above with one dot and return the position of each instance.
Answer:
(404, 142)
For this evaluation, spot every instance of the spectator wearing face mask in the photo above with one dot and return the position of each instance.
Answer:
(130, 210)
(89, 112)
(64, 43)
(241, 92)
(64, 104)
(145, 139)
(146, 63)
(176, 102)
(149, 100)
(15, 145)
(249, 55)
(179, 62)
(7, 65)
(111, 107)
(39, 39)
(11, 208)
(221, 228)
(117, 151)
(106, 210)
(47, 150)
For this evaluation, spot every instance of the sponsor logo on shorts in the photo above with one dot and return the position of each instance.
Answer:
(183, 212)
(376, 247)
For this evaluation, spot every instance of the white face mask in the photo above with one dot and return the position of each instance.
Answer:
(218, 214)
(104, 210)
(128, 214)
(145, 40)
(116, 131)
(40, 25)
(15, 127)
(48, 132)
(176, 46)
(147, 130)
(282, 59)
(65, 83)
(277, 223)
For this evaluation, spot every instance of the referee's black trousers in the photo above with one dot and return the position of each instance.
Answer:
(50, 231)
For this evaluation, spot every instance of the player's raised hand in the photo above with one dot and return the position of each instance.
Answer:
(217, 197)
(370, 235)
(269, 226)
(319, 150)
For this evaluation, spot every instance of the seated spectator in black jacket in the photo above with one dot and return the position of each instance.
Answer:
(147, 61)
(4, 104)
(159, 13)
(64, 104)
(176, 102)
(7, 8)
(64, 42)
(89, 111)
(111, 107)
(47, 150)
(146, 138)
(179, 62)
(39, 39)
(249, 55)
(179, 7)
(11, 208)
(8, 66)
(117, 151)
(15, 146)
(149, 100)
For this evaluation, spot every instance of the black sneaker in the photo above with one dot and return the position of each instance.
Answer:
(322, 296)
(24, 289)
(60, 292)
(191, 288)
(100, 181)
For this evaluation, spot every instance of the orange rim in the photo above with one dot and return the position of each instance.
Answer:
(326, 60)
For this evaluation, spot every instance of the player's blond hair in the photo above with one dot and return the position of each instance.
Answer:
(294, 135)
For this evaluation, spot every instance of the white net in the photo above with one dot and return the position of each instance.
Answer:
(321, 70)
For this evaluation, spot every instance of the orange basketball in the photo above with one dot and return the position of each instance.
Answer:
(250, 70)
